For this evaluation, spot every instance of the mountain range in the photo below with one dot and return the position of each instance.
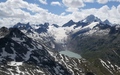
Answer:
(27, 49)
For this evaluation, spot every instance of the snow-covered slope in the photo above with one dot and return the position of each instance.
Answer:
(57, 35)
(38, 33)
(32, 51)
(60, 33)
(16, 48)
(20, 55)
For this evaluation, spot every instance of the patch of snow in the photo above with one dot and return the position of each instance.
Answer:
(4, 53)
(117, 27)
(106, 66)
(1, 36)
(58, 33)
(12, 44)
(90, 32)
(91, 25)
(116, 53)
(10, 70)
(18, 40)
(13, 55)
(111, 65)
(118, 68)
(39, 46)
(27, 55)
(52, 44)
(24, 31)
(18, 71)
(14, 63)
(39, 71)
(96, 31)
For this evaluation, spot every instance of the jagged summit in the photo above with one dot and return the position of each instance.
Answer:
(90, 19)
(107, 22)
(23, 26)
(42, 28)
(70, 23)
(55, 25)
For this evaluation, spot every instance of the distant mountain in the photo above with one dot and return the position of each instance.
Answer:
(88, 20)
(106, 22)
(40, 33)
(56, 35)
(91, 18)
(22, 26)
(43, 28)
(55, 25)
(70, 23)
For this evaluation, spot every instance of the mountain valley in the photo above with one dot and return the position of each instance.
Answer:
(27, 49)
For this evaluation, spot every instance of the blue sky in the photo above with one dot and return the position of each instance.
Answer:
(59, 9)
(56, 11)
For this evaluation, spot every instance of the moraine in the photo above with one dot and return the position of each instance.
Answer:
(70, 54)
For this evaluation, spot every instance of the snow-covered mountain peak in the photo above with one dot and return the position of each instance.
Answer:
(90, 19)
(59, 34)
(107, 22)
(22, 26)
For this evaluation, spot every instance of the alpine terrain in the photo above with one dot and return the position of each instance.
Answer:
(21, 55)
(29, 49)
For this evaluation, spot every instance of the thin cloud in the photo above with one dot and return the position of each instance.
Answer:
(89, 1)
(115, 0)
(73, 3)
(62, 14)
(102, 1)
(56, 3)
(118, 9)
(43, 2)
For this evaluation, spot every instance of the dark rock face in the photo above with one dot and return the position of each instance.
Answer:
(43, 28)
(4, 31)
(89, 73)
(22, 26)
(55, 25)
(68, 24)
